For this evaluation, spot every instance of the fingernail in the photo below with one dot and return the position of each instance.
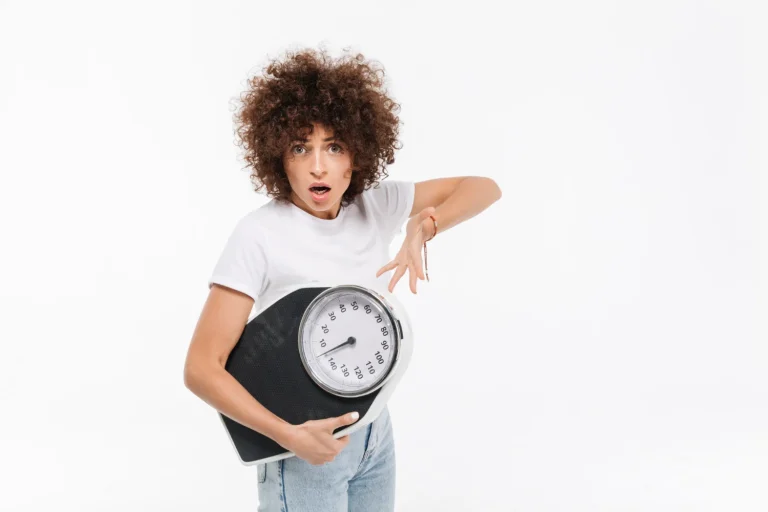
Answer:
(355, 415)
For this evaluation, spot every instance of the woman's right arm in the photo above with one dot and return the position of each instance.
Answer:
(218, 330)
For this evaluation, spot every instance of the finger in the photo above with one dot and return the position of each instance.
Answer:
(346, 419)
(395, 278)
(412, 278)
(388, 266)
(417, 263)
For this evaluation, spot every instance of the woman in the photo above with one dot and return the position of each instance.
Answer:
(318, 134)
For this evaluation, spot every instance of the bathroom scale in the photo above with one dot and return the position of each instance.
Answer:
(316, 352)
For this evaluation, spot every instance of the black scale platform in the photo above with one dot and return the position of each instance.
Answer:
(266, 362)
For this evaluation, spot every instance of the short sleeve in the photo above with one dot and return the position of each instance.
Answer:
(393, 200)
(242, 264)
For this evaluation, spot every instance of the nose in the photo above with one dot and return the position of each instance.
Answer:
(318, 167)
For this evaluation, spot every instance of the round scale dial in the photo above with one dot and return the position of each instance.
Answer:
(348, 340)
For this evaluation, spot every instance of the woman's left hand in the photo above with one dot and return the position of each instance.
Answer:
(409, 255)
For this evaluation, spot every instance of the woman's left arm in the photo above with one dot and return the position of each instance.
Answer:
(450, 201)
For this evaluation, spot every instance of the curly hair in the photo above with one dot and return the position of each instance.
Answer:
(307, 86)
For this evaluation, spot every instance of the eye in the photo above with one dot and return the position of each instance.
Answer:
(293, 149)
(341, 149)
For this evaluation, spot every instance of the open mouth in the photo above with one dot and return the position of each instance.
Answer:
(320, 190)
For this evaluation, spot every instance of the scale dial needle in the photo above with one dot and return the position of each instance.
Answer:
(350, 341)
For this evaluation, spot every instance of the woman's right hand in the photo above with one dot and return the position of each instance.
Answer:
(313, 440)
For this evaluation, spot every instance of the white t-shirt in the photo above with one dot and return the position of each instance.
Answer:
(278, 245)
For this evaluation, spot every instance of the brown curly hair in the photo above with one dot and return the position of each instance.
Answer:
(345, 95)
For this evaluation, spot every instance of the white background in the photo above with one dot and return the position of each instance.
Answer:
(595, 341)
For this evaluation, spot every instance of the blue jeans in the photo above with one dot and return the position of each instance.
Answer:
(360, 479)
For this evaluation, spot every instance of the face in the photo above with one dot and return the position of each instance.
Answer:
(318, 161)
